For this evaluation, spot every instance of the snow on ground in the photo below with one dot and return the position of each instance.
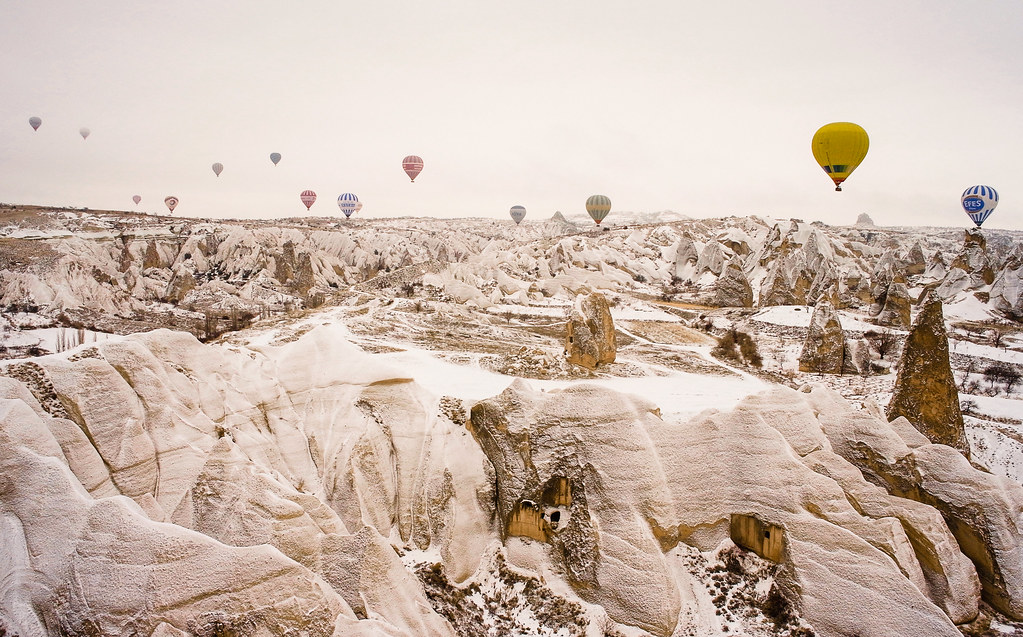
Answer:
(799, 316)
(985, 351)
(55, 339)
(785, 315)
(679, 395)
(967, 308)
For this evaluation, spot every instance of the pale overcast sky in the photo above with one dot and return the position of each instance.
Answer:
(704, 108)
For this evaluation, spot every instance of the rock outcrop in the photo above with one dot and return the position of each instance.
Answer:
(864, 220)
(590, 339)
(925, 391)
(897, 309)
(165, 487)
(732, 288)
(824, 350)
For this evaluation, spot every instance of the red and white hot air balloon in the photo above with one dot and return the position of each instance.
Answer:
(412, 165)
(172, 202)
(136, 199)
(308, 197)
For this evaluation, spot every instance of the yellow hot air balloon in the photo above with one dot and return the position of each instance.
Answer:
(839, 148)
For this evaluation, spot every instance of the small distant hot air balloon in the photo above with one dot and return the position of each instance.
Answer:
(347, 203)
(979, 202)
(275, 158)
(172, 202)
(358, 206)
(218, 168)
(598, 206)
(308, 197)
(518, 213)
(136, 199)
(839, 148)
(412, 165)
(84, 132)
(35, 122)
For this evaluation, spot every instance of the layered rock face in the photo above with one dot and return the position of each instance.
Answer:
(925, 392)
(824, 348)
(590, 333)
(157, 486)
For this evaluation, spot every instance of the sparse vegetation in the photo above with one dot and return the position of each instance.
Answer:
(738, 346)
(482, 609)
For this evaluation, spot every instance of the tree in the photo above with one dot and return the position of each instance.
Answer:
(883, 341)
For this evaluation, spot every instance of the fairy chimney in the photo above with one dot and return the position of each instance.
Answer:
(590, 340)
(925, 390)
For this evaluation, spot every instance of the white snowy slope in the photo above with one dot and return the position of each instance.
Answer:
(155, 484)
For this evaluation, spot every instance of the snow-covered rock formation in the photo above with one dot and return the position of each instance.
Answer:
(156, 485)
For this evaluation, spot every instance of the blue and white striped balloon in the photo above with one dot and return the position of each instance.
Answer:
(979, 202)
(347, 203)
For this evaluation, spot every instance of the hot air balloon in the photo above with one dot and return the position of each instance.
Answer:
(84, 132)
(839, 148)
(35, 122)
(136, 199)
(979, 202)
(347, 203)
(598, 206)
(308, 197)
(358, 206)
(172, 202)
(218, 168)
(275, 158)
(412, 165)
(518, 213)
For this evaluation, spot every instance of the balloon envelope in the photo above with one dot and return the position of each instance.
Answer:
(275, 157)
(172, 202)
(979, 202)
(218, 168)
(308, 197)
(84, 132)
(136, 199)
(518, 213)
(358, 206)
(347, 203)
(598, 206)
(412, 165)
(35, 122)
(839, 148)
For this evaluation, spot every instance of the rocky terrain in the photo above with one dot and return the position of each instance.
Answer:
(323, 427)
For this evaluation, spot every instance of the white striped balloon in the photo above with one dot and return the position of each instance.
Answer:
(347, 203)
(979, 202)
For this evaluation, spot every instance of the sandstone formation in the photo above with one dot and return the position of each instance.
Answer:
(733, 288)
(925, 391)
(824, 350)
(897, 309)
(303, 464)
(864, 220)
(590, 339)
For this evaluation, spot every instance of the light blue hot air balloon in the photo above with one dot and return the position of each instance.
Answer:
(347, 203)
(979, 202)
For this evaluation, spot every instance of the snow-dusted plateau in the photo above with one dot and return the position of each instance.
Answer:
(319, 426)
